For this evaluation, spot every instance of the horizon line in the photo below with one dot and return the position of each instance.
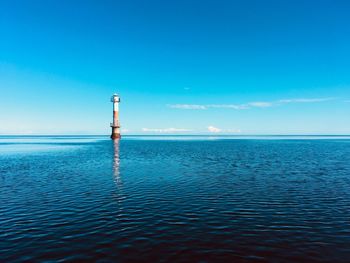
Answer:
(188, 135)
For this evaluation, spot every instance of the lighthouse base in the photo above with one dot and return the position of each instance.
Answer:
(115, 133)
(115, 136)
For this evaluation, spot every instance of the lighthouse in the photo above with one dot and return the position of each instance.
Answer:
(115, 99)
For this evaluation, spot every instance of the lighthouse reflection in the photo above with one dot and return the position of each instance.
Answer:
(118, 194)
(116, 163)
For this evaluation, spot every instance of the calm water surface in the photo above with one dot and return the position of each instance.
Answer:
(197, 199)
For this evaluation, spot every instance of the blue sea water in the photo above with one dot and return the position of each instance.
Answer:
(175, 199)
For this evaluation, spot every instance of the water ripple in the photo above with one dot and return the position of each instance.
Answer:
(175, 200)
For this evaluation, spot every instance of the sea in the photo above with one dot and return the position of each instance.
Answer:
(175, 199)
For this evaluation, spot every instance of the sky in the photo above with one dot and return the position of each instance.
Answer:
(180, 67)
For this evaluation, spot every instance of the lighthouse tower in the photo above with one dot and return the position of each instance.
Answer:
(115, 124)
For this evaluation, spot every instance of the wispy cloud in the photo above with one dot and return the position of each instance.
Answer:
(205, 107)
(187, 106)
(221, 106)
(249, 105)
(228, 106)
(260, 104)
(165, 130)
(218, 130)
(305, 100)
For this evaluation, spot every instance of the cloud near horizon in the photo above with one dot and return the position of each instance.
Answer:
(257, 104)
(218, 130)
(213, 129)
(210, 128)
(165, 130)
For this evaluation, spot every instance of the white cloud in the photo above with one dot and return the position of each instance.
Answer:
(213, 129)
(249, 105)
(210, 128)
(166, 130)
(303, 100)
(228, 106)
(260, 104)
(187, 106)
(218, 130)
(232, 130)
(204, 107)
(221, 106)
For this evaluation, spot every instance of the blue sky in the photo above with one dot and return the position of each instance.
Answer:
(180, 67)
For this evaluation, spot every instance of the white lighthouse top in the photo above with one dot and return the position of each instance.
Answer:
(115, 98)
